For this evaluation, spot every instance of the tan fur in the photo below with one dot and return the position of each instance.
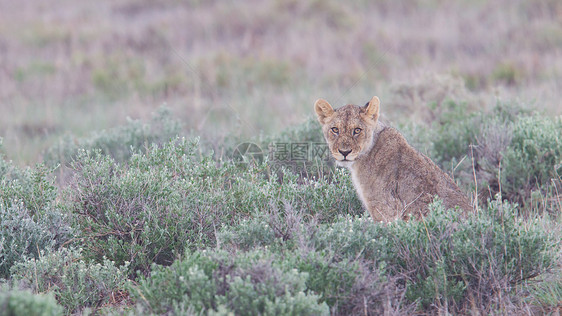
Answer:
(392, 179)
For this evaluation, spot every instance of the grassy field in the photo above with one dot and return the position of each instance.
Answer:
(123, 189)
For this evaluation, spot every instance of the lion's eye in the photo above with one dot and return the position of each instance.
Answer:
(335, 130)
(356, 131)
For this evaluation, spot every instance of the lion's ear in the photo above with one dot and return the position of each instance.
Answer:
(323, 110)
(372, 109)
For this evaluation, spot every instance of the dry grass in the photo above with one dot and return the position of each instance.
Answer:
(247, 67)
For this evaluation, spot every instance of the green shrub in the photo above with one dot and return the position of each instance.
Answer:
(453, 132)
(447, 260)
(219, 283)
(147, 210)
(507, 148)
(248, 234)
(519, 153)
(351, 237)
(346, 278)
(350, 286)
(119, 142)
(533, 158)
(325, 197)
(455, 129)
(25, 303)
(4, 165)
(22, 236)
(285, 205)
(31, 186)
(30, 220)
(75, 282)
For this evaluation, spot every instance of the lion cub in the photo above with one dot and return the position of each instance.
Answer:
(392, 179)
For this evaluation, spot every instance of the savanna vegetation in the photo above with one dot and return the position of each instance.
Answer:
(224, 201)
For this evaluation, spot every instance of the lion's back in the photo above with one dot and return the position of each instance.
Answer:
(396, 180)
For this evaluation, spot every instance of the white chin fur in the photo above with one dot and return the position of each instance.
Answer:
(345, 163)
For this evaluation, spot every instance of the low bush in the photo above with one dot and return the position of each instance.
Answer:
(449, 136)
(506, 148)
(30, 219)
(250, 234)
(33, 187)
(350, 286)
(23, 236)
(325, 197)
(218, 282)
(534, 157)
(25, 303)
(453, 263)
(346, 276)
(76, 283)
(445, 262)
(452, 132)
(147, 209)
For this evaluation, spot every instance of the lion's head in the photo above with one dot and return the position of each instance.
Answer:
(349, 129)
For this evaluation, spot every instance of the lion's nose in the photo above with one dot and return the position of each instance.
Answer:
(344, 152)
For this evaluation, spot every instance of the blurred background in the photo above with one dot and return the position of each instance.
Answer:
(248, 68)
